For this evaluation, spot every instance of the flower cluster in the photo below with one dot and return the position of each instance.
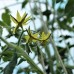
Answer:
(36, 36)
(31, 37)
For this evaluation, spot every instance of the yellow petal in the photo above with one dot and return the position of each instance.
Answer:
(34, 40)
(47, 35)
(18, 17)
(14, 31)
(24, 15)
(35, 35)
(27, 38)
(13, 19)
(26, 19)
(44, 36)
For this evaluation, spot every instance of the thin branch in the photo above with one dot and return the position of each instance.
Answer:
(46, 30)
(58, 56)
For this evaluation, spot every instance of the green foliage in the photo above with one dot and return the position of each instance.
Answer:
(6, 18)
(10, 67)
(2, 24)
(21, 60)
(69, 8)
(24, 3)
(0, 33)
(57, 1)
(6, 22)
(1, 69)
(39, 41)
(26, 70)
(1, 30)
(7, 55)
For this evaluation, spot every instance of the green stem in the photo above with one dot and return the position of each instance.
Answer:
(55, 49)
(20, 38)
(24, 54)
(41, 58)
(58, 56)
(49, 59)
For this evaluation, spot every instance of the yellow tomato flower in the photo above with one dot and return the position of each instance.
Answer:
(20, 21)
(36, 37)
(32, 38)
(44, 36)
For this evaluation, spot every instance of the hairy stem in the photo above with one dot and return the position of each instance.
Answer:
(24, 54)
